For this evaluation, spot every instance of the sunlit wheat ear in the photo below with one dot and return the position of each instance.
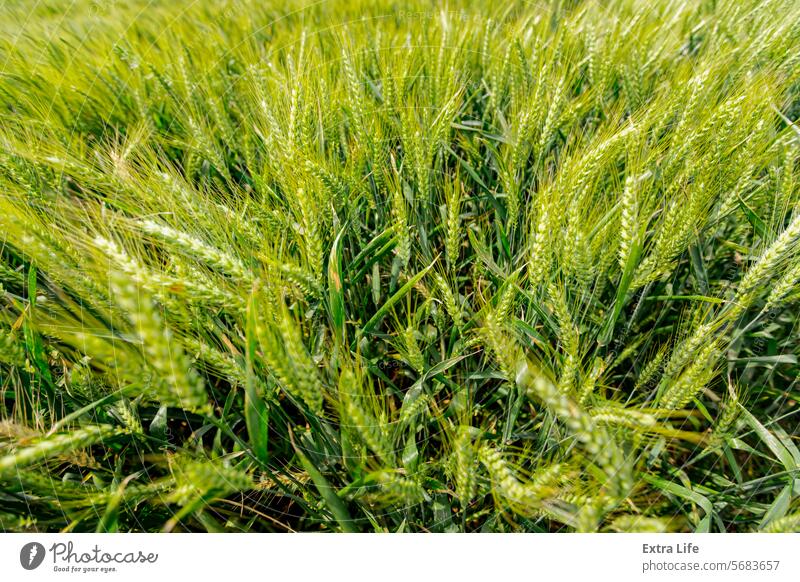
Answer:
(512, 175)
(453, 231)
(684, 351)
(503, 348)
(589, 381)
(504, 309)
(215, 359)
(361, 420)
(464, 459)
(675, 230)
(533, 497)
(785, 524)
(399, 210)
(196, 248)
(49, 250)
(693, 379)
(387, 487)
(784, 287)
(505, 484)
(415, 357)
(57, 444)
(128, 416)
(414, 408)
(312, 233)
(538, 253)
(164, 287)
(299, 276)
(553, 117)
(451, 304)
(639, 524)
(197, 480)
(651, 369)
(597, 442)
(287, 358)
(627, 219)
(765, 264)
(618, 415)
(177, 383)
(569, 338)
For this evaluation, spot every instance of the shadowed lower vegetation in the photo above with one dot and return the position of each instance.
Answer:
(393, 266)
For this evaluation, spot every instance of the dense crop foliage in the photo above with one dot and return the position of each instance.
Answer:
(393, 266)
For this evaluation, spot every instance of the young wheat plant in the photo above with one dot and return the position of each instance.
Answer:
(343, 266)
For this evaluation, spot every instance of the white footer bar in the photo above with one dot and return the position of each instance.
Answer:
(407, 557)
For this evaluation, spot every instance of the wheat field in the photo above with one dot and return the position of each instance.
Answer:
(385, 266)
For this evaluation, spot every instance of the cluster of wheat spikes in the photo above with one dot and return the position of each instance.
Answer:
(381, 266)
